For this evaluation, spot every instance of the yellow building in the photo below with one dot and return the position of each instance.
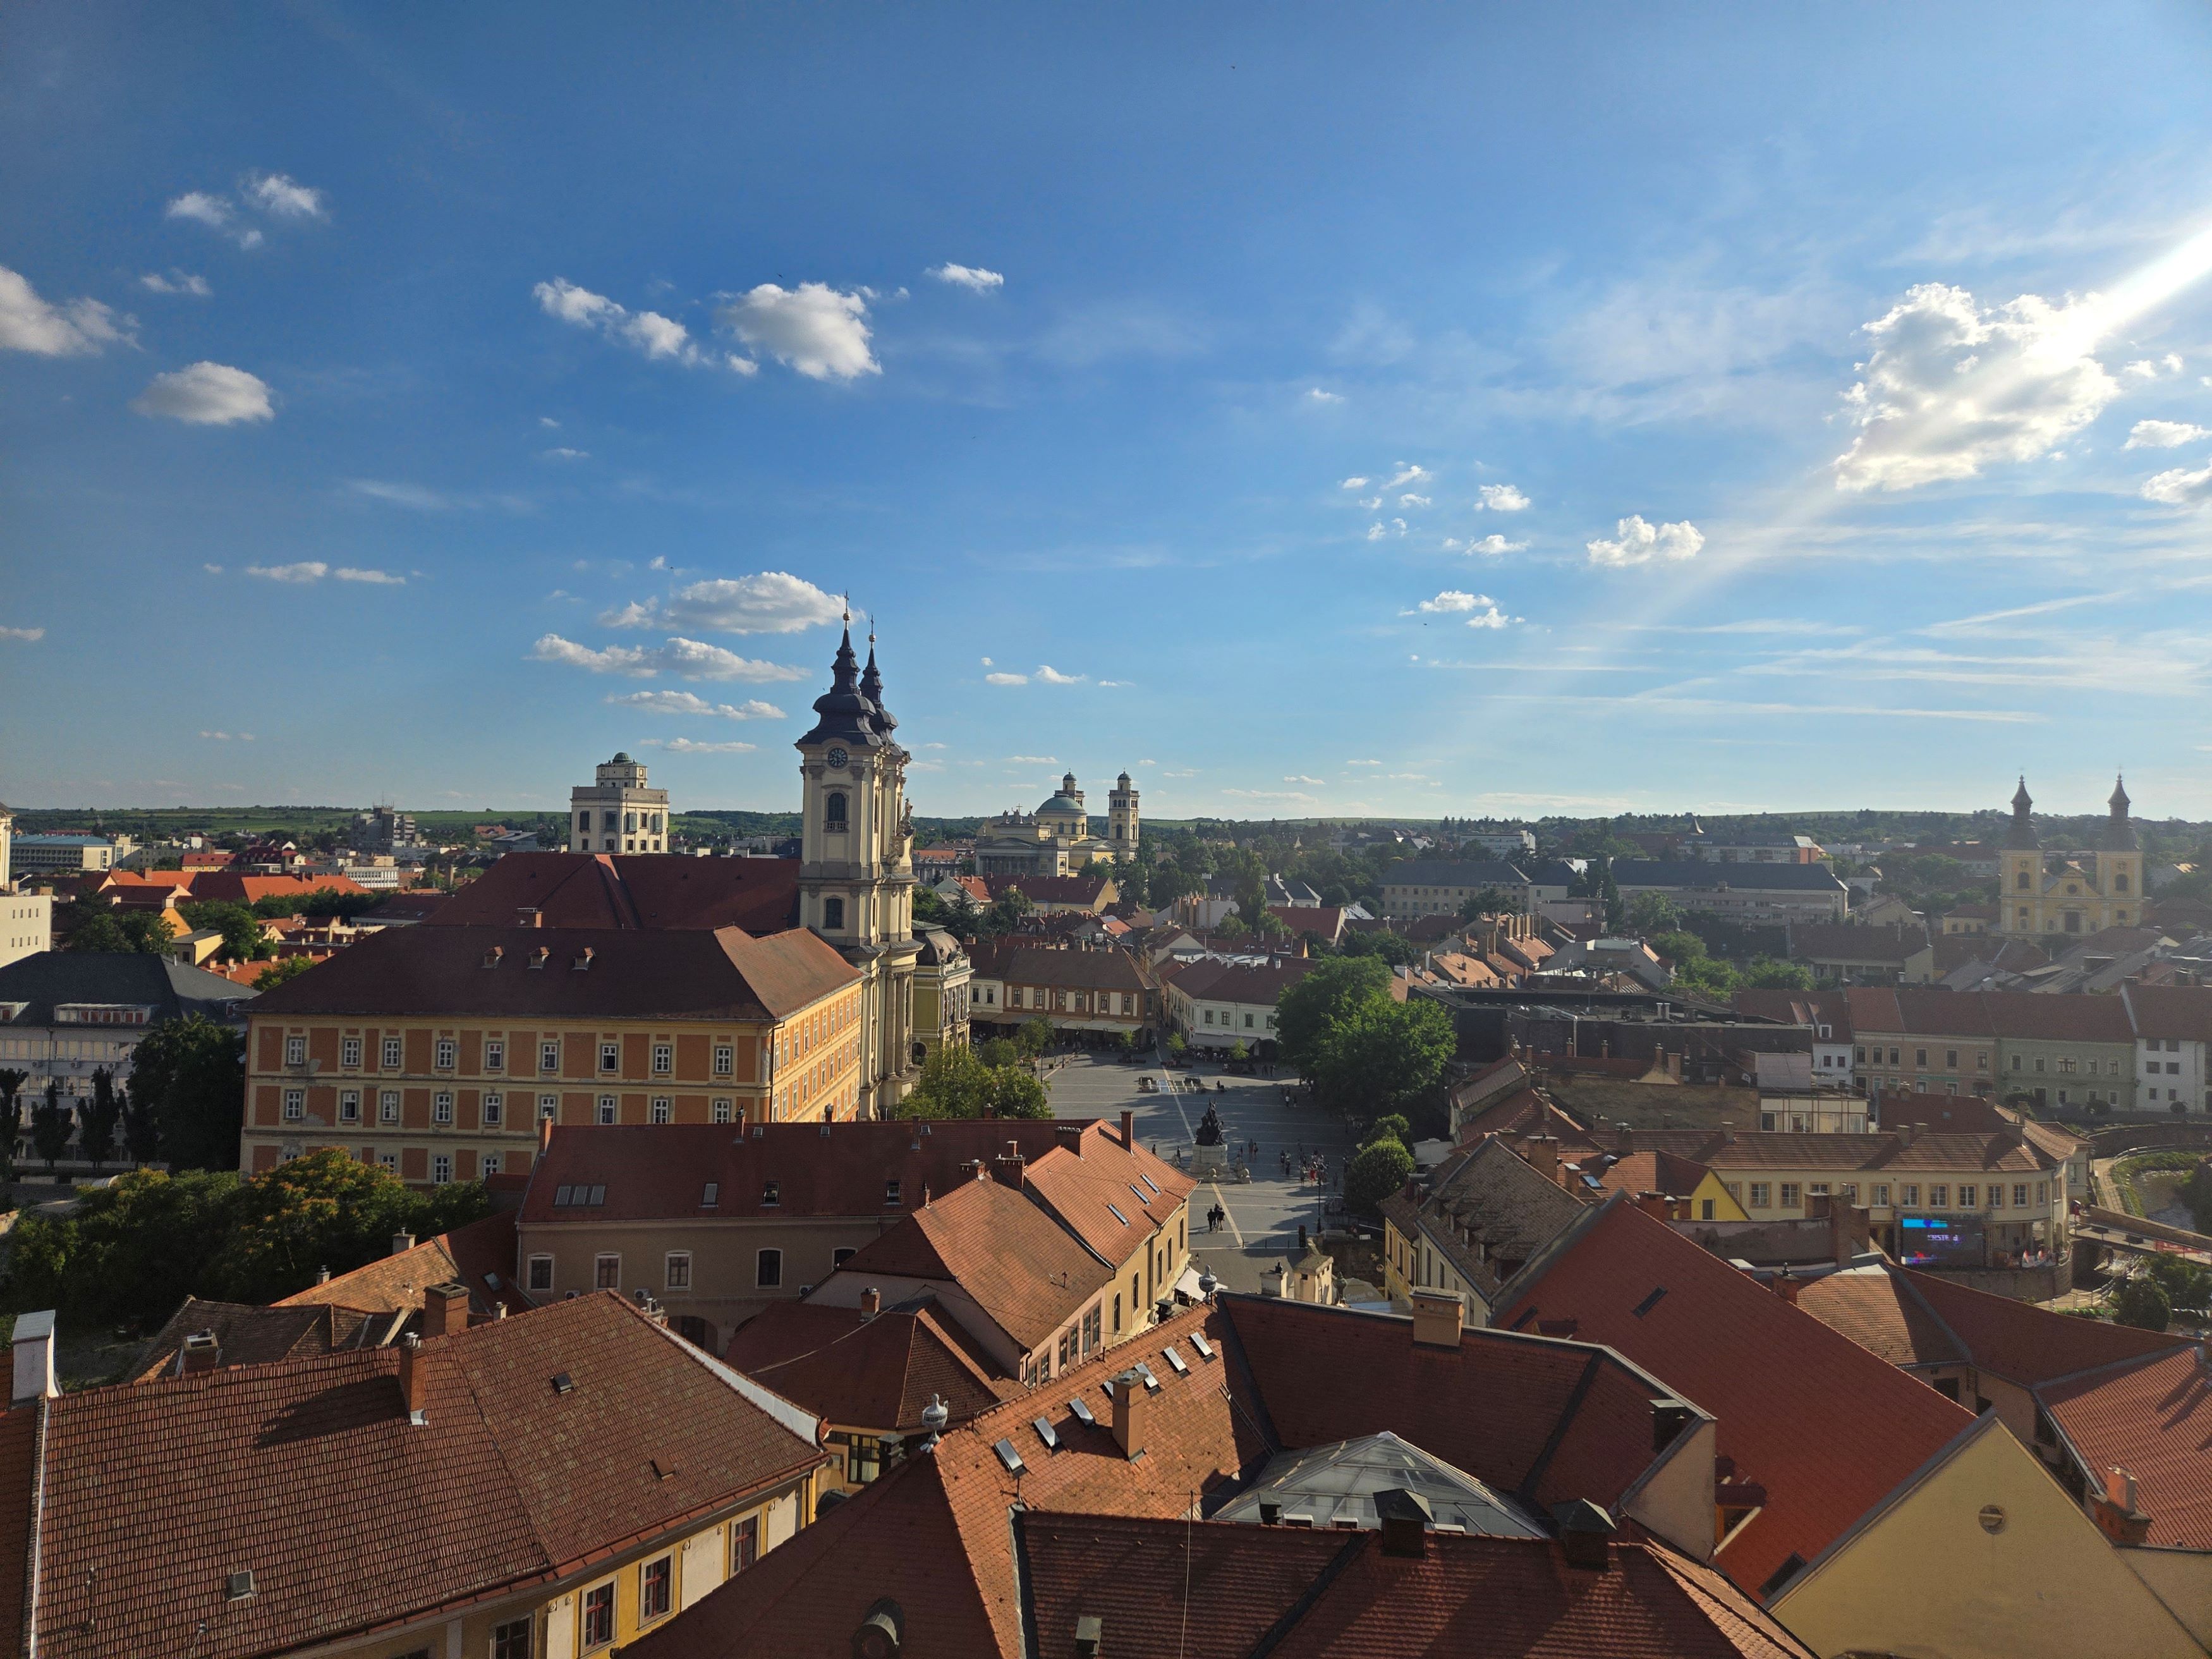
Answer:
(438, 1051)
(2038, 894)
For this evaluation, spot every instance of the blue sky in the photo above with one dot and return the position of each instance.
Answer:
(1311, 409)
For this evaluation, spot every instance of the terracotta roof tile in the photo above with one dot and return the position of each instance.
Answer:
(1878, 1311)
(1080, 1189)
(1829, 1430)
(250, 1335)
(660, 890)
(470, 1255)
(2025, 1344)
(507, 1480)
(1105, 969)
(1025, 1272)
(875, 1373)
(2154, 1420)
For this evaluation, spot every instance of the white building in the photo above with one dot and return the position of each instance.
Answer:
(2173, 1027)
(616, 813)
(1217, 1004)
(44, 854)
(27, 919)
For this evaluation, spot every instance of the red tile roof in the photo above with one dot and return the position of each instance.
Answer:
(251, 1335)
(870, 1372)
(252, 889)
(1830, 1431)
(1211, 981)
(1079, 1190)
(480, 1256)
(725, 975)
(2154, 1419)
(1878, 1311)
(582, 890)
(1088, 892)
(2025, 1344)
(154, 1493)
(652, 1171)
(1104, 968)
(1652, 1172)
(1025, 1272)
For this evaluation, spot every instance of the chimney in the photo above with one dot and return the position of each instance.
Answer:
(201, 1352)
(1787, 1284)
(1626, 1141)
(1542, 1152)
(1583, 1530)
(2115, 1511)
(1405, 1516)
(1905, 1133)
(1006, 1168)
(528, 915)
(1439, 1318)
(414, 1382)
(1728, 1132)
(1655, 1205)
(402, 1242)
(1674, 1066)
(1129, 1131)
(445, 1310)
(871, 1302)
(322, 1275)
(1131, 1400)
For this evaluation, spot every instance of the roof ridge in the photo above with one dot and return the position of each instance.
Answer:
(1964, 1349)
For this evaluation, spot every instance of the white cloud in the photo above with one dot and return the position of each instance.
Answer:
(72, 328)
(2180, 487)
(1051, 675)
(1492, 617)
(307, 570)
(1452, 599)
(177, 282)
(1363, 762)
(1502, 498)
(1298, 777)
(1371, 503)
(688, 659)
(812, 328)
(2163, 435)
(1294, 797)
(207, 394)
(1376, 532)
(1005, 679)
(549, 422)
(1115, 685)
(1951, 388)
(1189, 773)
(28, 635)
(974, 278)
(685, 746)
(282, 197)
(1494, 546)
(1414, 501)
(198, 205)
(563, 452)
(1315, 394)
(1638, 542)
(657, 337)
(212, 569)
(1353, 483)
(1032, 760)
(770, 602)
(684, 702)
(347, 573)
(1408, 473)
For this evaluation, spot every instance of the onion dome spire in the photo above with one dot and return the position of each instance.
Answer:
(2021, 836)
(2119, 829)
(872, 687)
(844, 708)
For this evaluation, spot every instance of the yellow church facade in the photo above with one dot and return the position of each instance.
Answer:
(2040, 894)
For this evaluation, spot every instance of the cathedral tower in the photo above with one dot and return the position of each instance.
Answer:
(855, 878)
(2119, 861)
(1122, 818)
(2019, 878)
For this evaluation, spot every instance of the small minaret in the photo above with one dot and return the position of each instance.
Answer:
(1122, 818)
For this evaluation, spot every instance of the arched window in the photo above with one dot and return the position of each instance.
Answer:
(2021, 881)
(769, 1273)
(832, 812)
(833, 914)
(2119, 881)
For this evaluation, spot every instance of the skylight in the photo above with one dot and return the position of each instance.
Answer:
(1149, 1182)
(1140, 1192)
(1045, 1433)
(1118, 1216)
(1010, 1457)
(1152, 1383)
(1181, 1366)
(1081, 1408)
(711, 1196)
(1198, 1342)
(1648, 1302)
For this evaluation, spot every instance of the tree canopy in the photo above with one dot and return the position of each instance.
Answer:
(1367, 1055)
(190, 1074)
(957, 1082)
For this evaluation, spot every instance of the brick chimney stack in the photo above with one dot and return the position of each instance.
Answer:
(1006, 1168)
(414, 1382)
(445, 1310)
(1131, 1402)
(1128, 1130)
(201, 1352)
(1438, 1319)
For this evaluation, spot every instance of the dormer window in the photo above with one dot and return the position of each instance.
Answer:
(492, 956)
(891, 1190)
(771, 1193)
(538, 958)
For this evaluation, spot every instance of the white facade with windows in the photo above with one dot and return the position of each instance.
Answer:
(616, 813)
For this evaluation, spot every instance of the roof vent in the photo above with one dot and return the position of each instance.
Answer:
(492, 956)
(1089, 1630)
(825, 1128)
(238, 1586)
(1583, 1530)
(583, 961)
(538, 956)
(882, 1634)
(563, 1384)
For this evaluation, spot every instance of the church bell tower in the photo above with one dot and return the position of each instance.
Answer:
(1122, 818)
(856, 877)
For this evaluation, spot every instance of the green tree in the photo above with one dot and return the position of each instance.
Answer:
(277, 972)
(11, 1119)
(1178, 1045)
(1238, 1053)
(194, 1072)
(50, 1125)
(2141, 1302)
(930, 908)
(1383, 1057)
(1001, 1051)
(1391, 1126)
(1306, 1011)
(1376, 1170)
(142, 1127)
(132, 1252)
(2188, 1287)
(1766, 974)
(243, 939)
(1390, 949)
(97, 1118)
(122, 932)
(323, 1210)
(1034, 1036)
(956, 1083)
(1490, 901)
(1653, 913)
